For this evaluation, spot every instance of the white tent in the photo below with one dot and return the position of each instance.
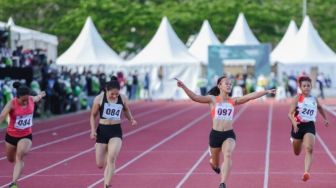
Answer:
(206, 37)
(281, 49)
(308, 53)
(31, 39)
(166, 57)
(241, 33)
(90, 50)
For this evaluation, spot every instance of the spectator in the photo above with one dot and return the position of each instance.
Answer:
(134, 88)
(320, 83)
(146, 87)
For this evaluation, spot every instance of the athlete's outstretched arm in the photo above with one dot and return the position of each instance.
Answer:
(320, 109)
(93, 116)
(39, 96)
(5, 111)
(127, 111)
(251, 96)
(291, 113)
(193, 96)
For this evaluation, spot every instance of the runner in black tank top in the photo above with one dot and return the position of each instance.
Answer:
(109, 105)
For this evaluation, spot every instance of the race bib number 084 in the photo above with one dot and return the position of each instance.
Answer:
(112, 111)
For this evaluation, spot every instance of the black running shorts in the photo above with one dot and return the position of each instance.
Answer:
(106, 132)
(14, 140)
(217, 138)
(304, 128)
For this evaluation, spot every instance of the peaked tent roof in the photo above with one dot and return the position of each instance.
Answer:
(308, 47)
(206, 37)
(281, 49)
(165, 47)
(89, 49)
(241, 33)
(29, 34)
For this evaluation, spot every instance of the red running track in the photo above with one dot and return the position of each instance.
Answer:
(169, 149)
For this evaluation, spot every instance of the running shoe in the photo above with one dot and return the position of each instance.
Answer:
(222, 185)
(306, 176)
(13, 185)
(216, 169)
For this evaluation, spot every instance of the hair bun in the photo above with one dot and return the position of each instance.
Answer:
(16, 84)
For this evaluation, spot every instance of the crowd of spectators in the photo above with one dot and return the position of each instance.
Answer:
(248, 83)
(67, 90)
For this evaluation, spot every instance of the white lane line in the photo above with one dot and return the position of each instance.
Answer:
(91, 149)
(268, 146)
(153, 147)
(47, 130)
(79, 134)
(325, 147)
(186, 176)
(329, 109)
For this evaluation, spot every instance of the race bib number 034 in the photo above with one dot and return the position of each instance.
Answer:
(23, 122)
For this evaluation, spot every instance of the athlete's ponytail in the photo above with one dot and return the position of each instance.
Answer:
(113, 84)
(215, 90)
(21, 89)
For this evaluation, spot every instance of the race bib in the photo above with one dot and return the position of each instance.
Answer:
(23, 122)
(308, 110)
(112, 111)
(308, 113)
(224, 111)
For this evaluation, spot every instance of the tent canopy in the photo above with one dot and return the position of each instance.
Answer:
(29, 34)
(281, 49)
(31, 39)
(206, 37)
(307, 47)
(166, 57)
(307, 53)
(241, 33)
(89, 49)
(164, 48)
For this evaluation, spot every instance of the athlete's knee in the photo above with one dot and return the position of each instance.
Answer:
(100, 165)
(20, 155)
(227, 154)
(111, 159)
(309, 149)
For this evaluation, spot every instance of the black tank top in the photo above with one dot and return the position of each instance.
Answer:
(111, 111)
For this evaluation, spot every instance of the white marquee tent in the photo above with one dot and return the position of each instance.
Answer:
(206, 37)
(281, 49)
(241, 33)
(308, 53)
(166, 57)
(90, 50)
(31, 39)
